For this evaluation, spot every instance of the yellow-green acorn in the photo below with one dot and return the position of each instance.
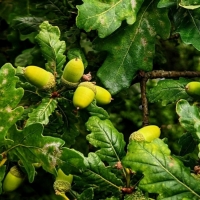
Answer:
(102, 96)
(147, 133)
(193, 88)
(73, 72)
(63, 182)
(39, 77)
(14, 178)
(84, 95)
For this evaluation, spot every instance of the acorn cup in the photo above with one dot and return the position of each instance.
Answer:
(63, 182)
(72, 73)
(14, 178)
(146, 133)
(39, 77)
(84, 95)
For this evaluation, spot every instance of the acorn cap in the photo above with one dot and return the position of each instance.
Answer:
(69, 84)
(61, 186)
(16, 171)
(51, 83)
(137, 136)
(88, 85)
(62, 176)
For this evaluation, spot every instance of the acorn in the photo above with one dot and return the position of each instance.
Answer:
(73, 73)
(193, 88)
(84, 95)
(146, 133)
(14, 178)
(102, 96)
(39, 77)
(63, 182)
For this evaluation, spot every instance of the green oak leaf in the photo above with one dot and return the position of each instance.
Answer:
(99, 176)
(2, 174)
(168, 91)
(190, 4)
(10, 97)
(30, 146)
(162, 172)
(27, 24)
(29, 56)
(42, 112)
(67, 126)
(187, 144)
(187, 25)
(166, 3)
(104, 136)
(87, 194)
(189, 117)
(132, 48)
(107, 16)
(52, 48)
(95, 110)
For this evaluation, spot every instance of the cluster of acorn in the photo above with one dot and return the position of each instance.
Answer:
(85, 92)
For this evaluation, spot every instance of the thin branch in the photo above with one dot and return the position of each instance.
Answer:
(144, 101)
(169, 74)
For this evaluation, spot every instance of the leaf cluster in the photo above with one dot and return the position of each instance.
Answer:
(119, 41)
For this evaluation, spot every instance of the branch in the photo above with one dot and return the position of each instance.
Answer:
(169, 74)
(144, 101)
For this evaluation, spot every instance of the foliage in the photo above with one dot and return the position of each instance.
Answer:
(125, 45)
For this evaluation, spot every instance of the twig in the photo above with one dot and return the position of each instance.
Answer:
(169, 74)
(144, 101)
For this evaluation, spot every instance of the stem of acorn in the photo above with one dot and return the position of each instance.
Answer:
(128, 177)
(4, 159)
(62, 195)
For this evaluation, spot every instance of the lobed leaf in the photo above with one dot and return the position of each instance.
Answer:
(42, 112)
(68, 127)
(30, 146)
(87, 194)
(189, 117)
(27, 24)
(107, 15)
(104, 136)
(10, 97)
(95, 110)
(132, 48)
(188, 26)
(187, 143)
(99, 176)
(192, 4)
(2, 174)
(162, 172)
(169, 91)
(52, 48)
(166, 3)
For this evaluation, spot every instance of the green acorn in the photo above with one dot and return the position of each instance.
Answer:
(14, 178)
(147, 133)
(72, 73)
(84, 95)
(39, 77)
(102, 96)
(193, 89)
